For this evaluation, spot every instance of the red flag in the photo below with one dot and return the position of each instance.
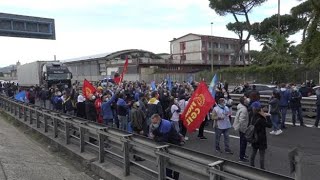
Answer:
(116, 78)
(87, 88)
(198, 107)
(124, 71)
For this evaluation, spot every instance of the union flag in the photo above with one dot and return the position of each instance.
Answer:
(198, 107)
(87, 88)
(125, 69)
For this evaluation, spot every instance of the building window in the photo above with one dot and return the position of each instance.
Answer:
(215, 45)
(219, 57)
(204, 56)
(210, 57)
(203, 43)
(183, 57)
(182, 45)
(209, 44)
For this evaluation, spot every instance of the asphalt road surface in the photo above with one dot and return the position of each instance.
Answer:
(277, 160)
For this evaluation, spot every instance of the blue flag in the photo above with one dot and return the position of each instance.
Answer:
(21, 96)
(190, 78)
(153, 85)
(213, 84)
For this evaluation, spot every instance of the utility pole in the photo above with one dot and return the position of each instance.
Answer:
(211, 39)
(279, 17)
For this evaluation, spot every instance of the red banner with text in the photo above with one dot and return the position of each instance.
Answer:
(198, 107)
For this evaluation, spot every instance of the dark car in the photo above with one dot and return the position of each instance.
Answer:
(263, 89)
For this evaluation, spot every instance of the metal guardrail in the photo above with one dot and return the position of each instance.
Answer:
(307, 103)
(73, 130)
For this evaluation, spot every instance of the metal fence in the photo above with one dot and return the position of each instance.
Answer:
(120, 146)
(308, 103)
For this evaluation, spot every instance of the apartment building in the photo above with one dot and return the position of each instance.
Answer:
(204, 49)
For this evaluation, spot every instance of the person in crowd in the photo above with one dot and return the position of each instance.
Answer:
(57, 101)
(81, 106)
(43, 96)
(182, 105)
(106, 109)
(222, 123)
(175, 111)
(97, 105)
(318, 109)
(123, 112)
(284, 103)
(261, 121)
(240, 124)
(295, 104)
(138, 119)
(201, 128)
(275, 113)
(67, 104)
(153, 107)
(304, 90)
(90, 108)
(162, 130)
(31, 96)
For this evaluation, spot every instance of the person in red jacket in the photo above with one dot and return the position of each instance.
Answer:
(97, 105)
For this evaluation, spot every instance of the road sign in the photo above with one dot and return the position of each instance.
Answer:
(26, 26)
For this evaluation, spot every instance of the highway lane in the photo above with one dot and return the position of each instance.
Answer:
(277, 159)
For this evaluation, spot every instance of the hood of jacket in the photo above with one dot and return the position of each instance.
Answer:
(153, 101)
(241, 106)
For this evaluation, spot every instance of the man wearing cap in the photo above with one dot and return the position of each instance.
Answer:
(221, 114)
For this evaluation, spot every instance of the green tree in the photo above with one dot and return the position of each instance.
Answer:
(276, 50)
(238, 9)
(310, 11)
(289, 26)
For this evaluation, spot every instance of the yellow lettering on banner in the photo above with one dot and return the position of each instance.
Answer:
(193, 104)
(194, 115)
(189, 120)
(197, 110)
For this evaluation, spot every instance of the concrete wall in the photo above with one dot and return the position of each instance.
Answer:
(192, 48)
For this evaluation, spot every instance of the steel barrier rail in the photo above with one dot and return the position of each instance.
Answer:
(307, 103)
(190, 163)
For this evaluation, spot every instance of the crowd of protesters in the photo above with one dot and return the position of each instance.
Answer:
(155, 112)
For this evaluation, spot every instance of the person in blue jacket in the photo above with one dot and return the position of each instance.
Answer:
(107, 113)
(123, 112)
(284, 103)
(162, 130)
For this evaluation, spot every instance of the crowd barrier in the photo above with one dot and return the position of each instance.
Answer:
(308, 103)
(121, 146)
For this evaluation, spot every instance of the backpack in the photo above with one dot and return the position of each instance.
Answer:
(251, 134)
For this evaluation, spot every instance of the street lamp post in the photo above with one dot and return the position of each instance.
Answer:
(279, 17)
(211, 49)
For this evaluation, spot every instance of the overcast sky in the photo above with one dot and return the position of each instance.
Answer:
(88, 27)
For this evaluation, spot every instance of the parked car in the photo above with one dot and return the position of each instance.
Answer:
(263, 89)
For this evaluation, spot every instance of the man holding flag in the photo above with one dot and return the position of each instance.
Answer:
(198, 107)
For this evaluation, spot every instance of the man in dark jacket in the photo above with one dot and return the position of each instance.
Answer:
(153, 107)
(90, 108)
(43, 95)
(67, 105)
(137, 118)
(261, 121)
(295, 104)
(162, 130)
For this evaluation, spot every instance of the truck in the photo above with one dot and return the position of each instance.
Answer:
(44, 73)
